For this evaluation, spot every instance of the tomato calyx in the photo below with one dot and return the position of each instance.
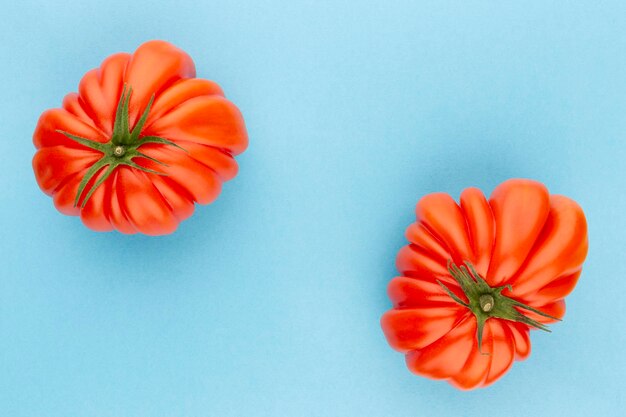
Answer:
(486, 302)
(121, 149)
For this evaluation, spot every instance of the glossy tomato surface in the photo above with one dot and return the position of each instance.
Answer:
(524, 240)
(199, 133)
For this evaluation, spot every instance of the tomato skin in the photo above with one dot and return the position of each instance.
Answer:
(521, 236)
(190, 112)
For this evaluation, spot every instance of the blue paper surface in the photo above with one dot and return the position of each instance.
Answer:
(267, 302)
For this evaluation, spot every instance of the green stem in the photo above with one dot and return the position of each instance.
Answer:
(121, 149)
(486, 302)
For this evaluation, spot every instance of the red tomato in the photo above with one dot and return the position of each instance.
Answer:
(139, 144)
(477, 276)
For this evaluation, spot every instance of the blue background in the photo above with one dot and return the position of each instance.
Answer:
(267, 302)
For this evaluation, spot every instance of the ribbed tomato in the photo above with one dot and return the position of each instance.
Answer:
(139, 144)
(479, 275)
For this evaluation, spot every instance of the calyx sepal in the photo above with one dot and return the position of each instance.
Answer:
(486, 302)
(121, 149)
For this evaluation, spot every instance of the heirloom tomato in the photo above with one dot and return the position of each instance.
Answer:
(477, 276)
(141, 142)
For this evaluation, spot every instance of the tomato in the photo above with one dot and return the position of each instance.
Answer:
(479, 275)
(141, 142)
